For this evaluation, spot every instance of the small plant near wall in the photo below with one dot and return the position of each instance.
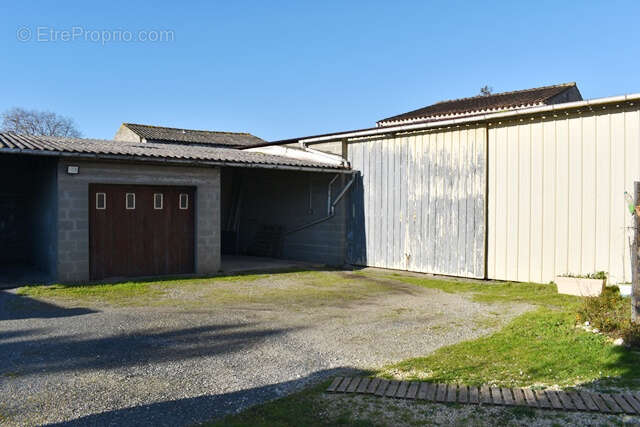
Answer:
(609, 314)
(600, 275)
(588, 285)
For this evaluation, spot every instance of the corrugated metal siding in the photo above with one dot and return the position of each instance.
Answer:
(556, 195)
(424, 202)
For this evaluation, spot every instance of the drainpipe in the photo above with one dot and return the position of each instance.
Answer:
(329, 194)
(331, 205)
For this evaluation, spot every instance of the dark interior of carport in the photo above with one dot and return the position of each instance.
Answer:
(284, 214)
(28, 220)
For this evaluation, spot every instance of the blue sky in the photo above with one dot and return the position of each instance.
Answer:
(288, 69)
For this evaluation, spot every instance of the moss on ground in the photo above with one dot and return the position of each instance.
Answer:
(488, 291)
(305, 289)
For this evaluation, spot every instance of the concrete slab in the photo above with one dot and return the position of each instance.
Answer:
(241, 264)
(13, 276)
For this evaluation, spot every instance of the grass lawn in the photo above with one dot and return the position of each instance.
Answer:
(125, 293)
(541, 348)
(297, 409)
(312, 407)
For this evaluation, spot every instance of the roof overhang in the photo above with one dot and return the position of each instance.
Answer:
(170, 161)
(303, 153)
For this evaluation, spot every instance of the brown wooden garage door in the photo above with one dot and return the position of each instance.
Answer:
(140, 230)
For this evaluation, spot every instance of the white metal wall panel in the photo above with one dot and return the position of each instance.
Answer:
(556, 195)
(334, 147)
(424, 201)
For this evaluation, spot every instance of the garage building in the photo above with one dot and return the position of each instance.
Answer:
(523, 186)
(74, 210)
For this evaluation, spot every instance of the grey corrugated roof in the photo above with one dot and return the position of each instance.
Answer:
(159, 133)
(97, 148)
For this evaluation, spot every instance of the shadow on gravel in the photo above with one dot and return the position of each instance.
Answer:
(200, 409)
(14, 307)
(143, 347)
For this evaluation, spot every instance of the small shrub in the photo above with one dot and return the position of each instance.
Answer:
(599, 275)
(611, 314)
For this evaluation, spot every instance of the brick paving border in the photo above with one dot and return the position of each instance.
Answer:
(619, 403)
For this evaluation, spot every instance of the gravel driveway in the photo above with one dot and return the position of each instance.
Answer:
(89, 363)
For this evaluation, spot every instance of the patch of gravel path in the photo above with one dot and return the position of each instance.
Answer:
(167, 366)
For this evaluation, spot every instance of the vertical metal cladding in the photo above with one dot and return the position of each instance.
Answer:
(556, 194)
(423, 201)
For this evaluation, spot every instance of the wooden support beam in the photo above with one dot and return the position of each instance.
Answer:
(635, 285)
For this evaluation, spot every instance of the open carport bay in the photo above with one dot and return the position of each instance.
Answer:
(284, 214)
(28, 219)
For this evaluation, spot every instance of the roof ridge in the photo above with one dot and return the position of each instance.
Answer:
(568, 84)
(511, 99)
(47, 138)
(74, 139)
(190, 130)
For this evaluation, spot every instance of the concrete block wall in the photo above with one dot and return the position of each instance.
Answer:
(290, 199)
(324, 242)
(73, 209)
